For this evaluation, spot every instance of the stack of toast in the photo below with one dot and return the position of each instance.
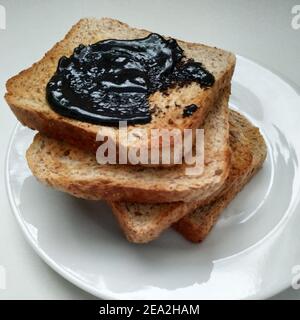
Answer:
(146, 200)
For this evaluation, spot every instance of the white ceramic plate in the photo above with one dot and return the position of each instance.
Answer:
(249, 254)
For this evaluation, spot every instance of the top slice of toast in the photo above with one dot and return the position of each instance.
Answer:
(26, 93)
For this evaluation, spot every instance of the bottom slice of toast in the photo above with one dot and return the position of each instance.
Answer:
(142, 223)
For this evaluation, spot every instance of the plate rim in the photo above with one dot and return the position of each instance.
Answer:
(73, 278)
(48, 260)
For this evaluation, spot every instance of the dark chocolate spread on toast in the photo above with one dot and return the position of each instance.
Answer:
(111, 80)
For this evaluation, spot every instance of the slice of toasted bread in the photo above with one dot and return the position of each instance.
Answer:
(77, 172)
(142, 223)
(26, 92)
(197, 225)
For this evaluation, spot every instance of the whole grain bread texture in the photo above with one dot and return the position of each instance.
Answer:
(26, 92)
(143, 223)
(73, 170)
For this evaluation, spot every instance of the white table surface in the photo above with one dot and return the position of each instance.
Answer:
(259, 30)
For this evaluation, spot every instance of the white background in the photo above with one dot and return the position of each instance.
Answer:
(259, 30)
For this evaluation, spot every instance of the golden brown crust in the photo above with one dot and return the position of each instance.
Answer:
(151, 231)
(56, 128)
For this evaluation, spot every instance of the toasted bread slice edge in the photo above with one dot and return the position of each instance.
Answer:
(196, 226)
